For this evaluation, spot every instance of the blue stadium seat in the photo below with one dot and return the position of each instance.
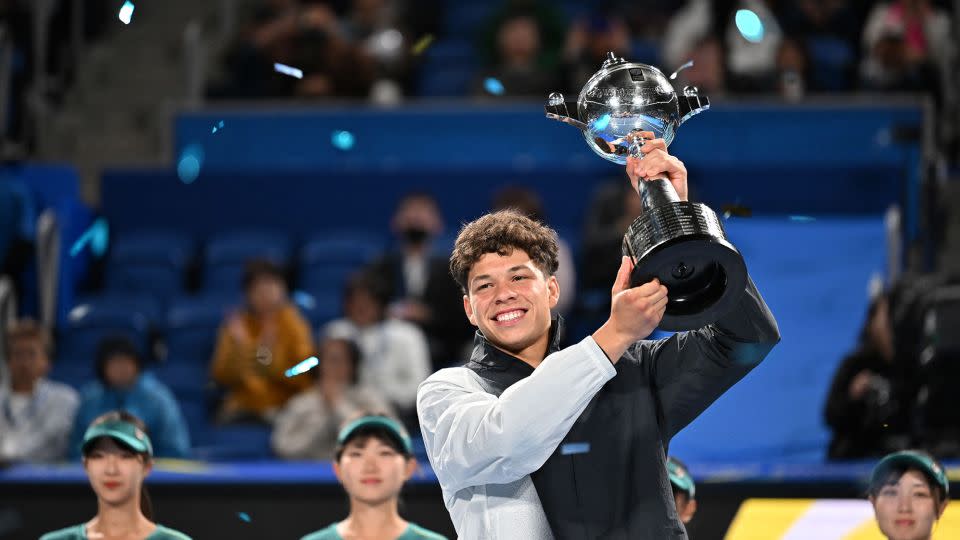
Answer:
(326, 260)
(190, 329)
(234, 442)
(196, 413)
(185, 380)
(832, 60)
(648, 52)
(341, 247)
(467, 18)
(95, 318)
(226, 255)
(319, 306)
(451, 52)
(453, 81)
(152, 261)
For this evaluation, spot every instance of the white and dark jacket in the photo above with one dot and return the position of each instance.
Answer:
(576, 448)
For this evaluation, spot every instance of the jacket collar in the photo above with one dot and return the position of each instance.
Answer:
(486, 357)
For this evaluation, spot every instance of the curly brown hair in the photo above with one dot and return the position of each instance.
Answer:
(502, 232)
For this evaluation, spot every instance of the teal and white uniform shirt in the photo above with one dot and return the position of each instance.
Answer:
(79, 532)
(413, 532)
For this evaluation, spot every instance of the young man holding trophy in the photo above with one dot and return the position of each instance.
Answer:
(532, 441)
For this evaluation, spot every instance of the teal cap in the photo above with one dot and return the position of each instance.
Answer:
(394, 427)
(680, 477)
(912, 459)
(120, 431)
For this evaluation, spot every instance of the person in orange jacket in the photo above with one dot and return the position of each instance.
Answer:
(257, 344)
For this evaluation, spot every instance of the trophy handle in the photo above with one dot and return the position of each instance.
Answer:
(655, 191)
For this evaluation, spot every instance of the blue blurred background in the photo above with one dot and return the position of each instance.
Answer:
(145, 163)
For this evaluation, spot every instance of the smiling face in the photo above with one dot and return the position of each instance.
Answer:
(372, 471)
(906, 509)
(509, 300)
(115, 473)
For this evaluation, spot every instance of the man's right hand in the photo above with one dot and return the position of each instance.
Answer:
(634, 312)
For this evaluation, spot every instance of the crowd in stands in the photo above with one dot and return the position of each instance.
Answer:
(401, 315)
(368, 48)
(400, 318)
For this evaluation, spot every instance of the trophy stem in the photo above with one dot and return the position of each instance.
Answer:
(656, 192)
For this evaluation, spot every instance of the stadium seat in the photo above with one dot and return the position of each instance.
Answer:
(327, 259)
(832, 62)
(234, 442)
(319, 306)
(467, 18)
(190, 329)
(153, 261)
(96, 318)
(226, 255)
(445, 82)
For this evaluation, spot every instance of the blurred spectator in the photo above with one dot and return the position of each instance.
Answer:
(906, 47)
(818, 18)
(123, 385)
(550, 29)
(307, 426)
(309, 37)
(612, 210)
(332, 64)
(37, 414)
(866, 407)
(687, 29)
(420, 288)
(517, 64)
(747, 66)
(792, 70)
(18, 218)
(752, 65)
(528, 203)
(649, 22)
(707, 73)
(395, 358)
(375, 26)
(257, 345)
(588, 42)
(684, 490)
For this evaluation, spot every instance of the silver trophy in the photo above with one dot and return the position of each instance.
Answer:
(683, 244)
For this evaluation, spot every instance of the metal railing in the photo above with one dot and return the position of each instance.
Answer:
(48, 266)
(8, 313)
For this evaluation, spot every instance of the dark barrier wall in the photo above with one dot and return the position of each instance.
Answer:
(279, 512)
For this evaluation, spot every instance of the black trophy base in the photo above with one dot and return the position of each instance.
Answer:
(684, 245)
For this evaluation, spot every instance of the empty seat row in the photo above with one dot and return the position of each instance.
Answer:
(158, 261)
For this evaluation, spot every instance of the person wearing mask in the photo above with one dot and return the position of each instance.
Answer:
(256, 346)
(421, 290)
(122, 385)
(36, 414)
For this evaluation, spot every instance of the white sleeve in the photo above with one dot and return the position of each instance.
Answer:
(473, 437)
